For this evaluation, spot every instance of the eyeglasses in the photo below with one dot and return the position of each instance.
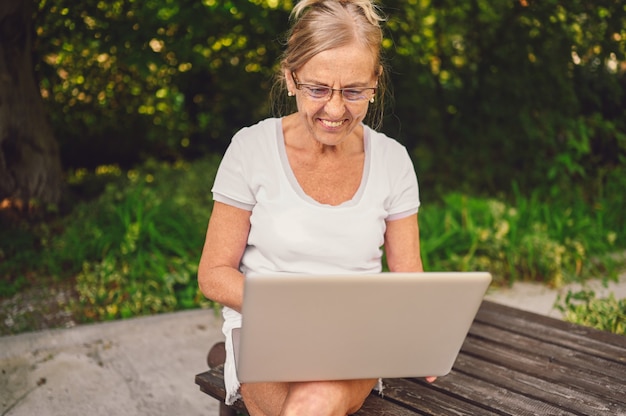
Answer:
(322, 92)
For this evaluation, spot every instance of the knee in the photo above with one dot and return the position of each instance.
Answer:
(310, 399)
(263, 398)
(322, 398)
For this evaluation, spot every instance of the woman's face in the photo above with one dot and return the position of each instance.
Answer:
(331, 121)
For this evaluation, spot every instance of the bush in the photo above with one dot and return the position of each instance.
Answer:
(531, 240)
(584, 308)
(140, 242)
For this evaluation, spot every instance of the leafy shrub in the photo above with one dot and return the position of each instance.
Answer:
(529, 241)
(584, 308)
(142, 240)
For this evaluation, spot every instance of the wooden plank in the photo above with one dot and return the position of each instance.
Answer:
(577, 337)
(496, 398)
(427, 400)
(534, 364)
(536, 388)
(377, 405)
(553, 353)
(212, 383)
(459, 394)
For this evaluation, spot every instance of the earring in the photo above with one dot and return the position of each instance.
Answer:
(372, 100)
(290, 94)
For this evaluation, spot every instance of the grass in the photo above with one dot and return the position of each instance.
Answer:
(129, 242)
(526, 240)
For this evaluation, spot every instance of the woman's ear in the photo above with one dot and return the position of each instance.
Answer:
(289, 82)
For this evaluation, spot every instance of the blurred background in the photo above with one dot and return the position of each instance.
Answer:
(114, 116)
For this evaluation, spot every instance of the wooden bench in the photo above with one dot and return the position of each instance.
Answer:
(512, 363)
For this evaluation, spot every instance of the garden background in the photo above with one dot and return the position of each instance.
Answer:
(513, 111)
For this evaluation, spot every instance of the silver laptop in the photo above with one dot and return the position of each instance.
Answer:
(334, 327)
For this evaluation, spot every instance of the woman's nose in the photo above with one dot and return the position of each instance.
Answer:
(335, 105)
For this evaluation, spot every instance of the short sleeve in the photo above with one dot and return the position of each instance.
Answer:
(404, 198)
(231, 185)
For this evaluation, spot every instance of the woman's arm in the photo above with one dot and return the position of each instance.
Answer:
(218, 273)
(402, 245)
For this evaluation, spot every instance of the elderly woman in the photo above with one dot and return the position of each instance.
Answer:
(316, 191)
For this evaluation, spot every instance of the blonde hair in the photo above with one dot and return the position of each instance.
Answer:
(321, 25)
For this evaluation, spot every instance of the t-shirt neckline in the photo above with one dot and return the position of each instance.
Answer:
(293, 181)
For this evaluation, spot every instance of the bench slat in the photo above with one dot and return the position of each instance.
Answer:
(591, 363)
(576, 337)
(496, 397)
(429, 399)
(376, 405)
(534, 387)
(212, 383)
(553, 371)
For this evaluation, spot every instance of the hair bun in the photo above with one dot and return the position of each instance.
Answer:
(369, 9)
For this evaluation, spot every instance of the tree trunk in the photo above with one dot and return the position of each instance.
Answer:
(30, 164)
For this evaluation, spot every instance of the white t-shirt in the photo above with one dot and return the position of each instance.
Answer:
(290, 232)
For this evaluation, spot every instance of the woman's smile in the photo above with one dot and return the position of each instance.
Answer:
(332, 124)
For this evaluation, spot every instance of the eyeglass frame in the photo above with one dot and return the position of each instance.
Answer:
(329, 96)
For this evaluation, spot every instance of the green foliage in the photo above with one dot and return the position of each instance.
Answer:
(126, 80)
(522, 86)
(585, 308)
(16, 247)
(531, 240)
(148, 232)
(510, 87)
(132, 250)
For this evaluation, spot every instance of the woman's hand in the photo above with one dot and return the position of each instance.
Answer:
(431, 379)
